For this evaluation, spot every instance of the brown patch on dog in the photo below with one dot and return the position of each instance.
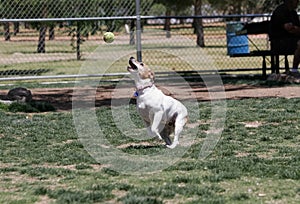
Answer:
(146, 73)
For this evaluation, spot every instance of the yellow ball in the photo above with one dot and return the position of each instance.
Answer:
(108, 37)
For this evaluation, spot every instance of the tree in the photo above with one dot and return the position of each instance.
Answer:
(6, 31)
(269, 5)
(227, 6)
(41, 48)
(37, 9)
(173, 7)
(7, 14)
(16, 27)
(52, 32)
(244, 6)
(198, 24)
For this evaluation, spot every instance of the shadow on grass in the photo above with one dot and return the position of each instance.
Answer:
(16, 72)
(61, 98)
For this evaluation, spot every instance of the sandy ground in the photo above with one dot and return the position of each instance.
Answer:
(62, 98)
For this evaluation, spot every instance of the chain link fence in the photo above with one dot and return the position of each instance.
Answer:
(56, 37)
(35, 9)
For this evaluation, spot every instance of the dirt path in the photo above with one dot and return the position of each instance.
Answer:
(61, 98)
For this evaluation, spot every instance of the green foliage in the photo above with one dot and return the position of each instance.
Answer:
(175, 5)
(69, 196)
(42, 172)
(132, 199)
(270, 5)
(22, 107)
(4, 107)
(241, 197)
(244, 6)
(158, 10)
(30, 107)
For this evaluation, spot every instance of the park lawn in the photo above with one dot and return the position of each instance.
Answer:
(60, 57)
(42, 160)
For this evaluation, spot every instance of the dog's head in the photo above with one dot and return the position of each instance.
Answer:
(142, 75)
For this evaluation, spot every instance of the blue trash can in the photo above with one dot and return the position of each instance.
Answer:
(236, 44)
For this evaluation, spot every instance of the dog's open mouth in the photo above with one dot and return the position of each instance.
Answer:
(132, 64)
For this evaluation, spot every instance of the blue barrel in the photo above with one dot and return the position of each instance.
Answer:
(236, 44)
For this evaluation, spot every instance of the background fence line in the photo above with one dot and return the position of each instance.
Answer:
(56, 43)
(4, 20)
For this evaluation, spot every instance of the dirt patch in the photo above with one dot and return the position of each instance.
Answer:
(252, 124)
(44, 200)
(62, 98)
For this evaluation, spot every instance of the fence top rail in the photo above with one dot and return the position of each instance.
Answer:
(3, 20)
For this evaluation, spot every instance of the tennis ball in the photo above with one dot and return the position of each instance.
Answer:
(108, 37)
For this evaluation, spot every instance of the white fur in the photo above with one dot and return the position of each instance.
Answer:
(163, 115)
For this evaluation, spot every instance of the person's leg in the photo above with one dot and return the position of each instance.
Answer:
(296, 60)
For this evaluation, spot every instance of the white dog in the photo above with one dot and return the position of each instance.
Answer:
(163, 115)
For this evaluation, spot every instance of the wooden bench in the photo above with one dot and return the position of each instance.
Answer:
(257, 53)
(263, 28)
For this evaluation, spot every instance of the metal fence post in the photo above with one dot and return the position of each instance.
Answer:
(138, 31)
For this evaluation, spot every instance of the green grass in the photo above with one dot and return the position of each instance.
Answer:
(42, 159)
(59, 67)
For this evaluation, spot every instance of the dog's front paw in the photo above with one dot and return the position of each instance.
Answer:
(172, 146)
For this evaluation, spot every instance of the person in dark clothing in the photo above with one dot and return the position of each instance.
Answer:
(285, 31)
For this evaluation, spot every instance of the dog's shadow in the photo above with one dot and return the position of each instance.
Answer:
(142, 147)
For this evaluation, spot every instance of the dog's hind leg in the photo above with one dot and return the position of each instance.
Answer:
(165, 133)
(179, 124)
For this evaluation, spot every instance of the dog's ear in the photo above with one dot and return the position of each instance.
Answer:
(147, 73)
(151, 75)
(150, 72)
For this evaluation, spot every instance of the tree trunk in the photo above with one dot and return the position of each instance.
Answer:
(16, 28)
(78, 41)
(199, 24)
(51, 33)
(42, 39)
(167, 27)
(238, 10)
(6, 31)
(26, 25)
(42, 32)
